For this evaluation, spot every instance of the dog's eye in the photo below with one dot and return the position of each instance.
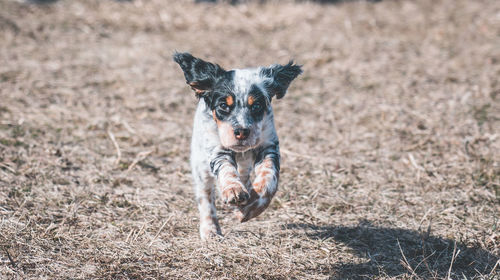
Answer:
(224, 107)
(256, 107)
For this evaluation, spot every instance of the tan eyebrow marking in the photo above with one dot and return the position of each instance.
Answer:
(251, 100)
(229, 100)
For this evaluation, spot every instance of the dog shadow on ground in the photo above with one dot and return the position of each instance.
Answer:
(394, 252)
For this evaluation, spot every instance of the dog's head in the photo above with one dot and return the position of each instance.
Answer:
(240, 99)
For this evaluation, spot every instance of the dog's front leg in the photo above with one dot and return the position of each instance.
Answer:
(265, 184)
(224, 168)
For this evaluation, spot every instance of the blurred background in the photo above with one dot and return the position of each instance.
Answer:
(390, 139)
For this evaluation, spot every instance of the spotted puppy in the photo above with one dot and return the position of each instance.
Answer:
(234, 135)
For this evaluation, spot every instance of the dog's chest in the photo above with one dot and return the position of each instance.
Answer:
(245, 161)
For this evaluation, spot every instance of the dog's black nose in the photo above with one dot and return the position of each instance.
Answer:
(241, 133)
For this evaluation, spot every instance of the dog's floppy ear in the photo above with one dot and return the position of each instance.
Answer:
(199, 74)
(280, 77)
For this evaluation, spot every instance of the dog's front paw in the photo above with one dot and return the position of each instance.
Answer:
(235, 194)
(255, 206)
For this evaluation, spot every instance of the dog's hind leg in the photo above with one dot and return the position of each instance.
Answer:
(205, 198)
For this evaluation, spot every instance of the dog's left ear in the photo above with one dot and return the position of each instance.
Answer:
(280, 77)
(199, 74)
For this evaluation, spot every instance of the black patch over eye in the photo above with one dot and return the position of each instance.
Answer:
(224, 107)
(222, 104)
(256, 107)
(256, 103)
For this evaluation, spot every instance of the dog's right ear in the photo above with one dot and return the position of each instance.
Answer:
(199, 74)
(280, 77)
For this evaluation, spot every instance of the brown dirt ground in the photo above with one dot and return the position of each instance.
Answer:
(390, 140)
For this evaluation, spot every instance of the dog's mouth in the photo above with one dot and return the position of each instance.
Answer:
(240, 148)
(239, 145)
(243, 146)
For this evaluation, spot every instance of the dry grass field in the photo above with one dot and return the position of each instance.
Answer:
(390, 140)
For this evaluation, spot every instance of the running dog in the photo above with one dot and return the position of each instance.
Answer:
(234, 135)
